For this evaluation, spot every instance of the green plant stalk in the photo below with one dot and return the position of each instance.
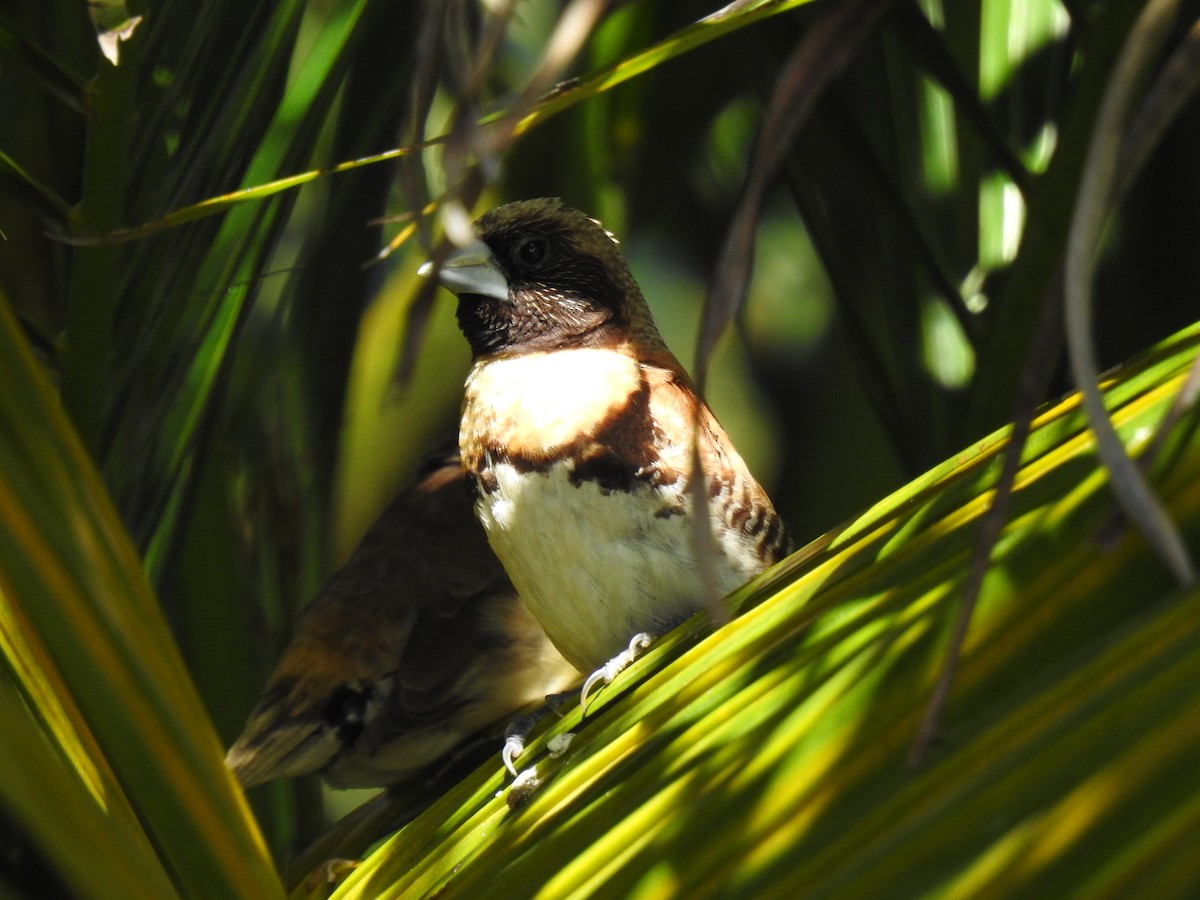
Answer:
(94, 285)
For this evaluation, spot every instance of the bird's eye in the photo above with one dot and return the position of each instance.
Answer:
(531, 251)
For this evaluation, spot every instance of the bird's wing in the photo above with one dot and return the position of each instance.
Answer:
(738, 504)
(382, 648)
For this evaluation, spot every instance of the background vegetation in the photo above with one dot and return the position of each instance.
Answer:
(207, 395)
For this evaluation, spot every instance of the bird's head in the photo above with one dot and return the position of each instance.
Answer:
(544, 276)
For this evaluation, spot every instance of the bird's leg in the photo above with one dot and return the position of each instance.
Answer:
(518, 729)
(556, 702)
(611, 669)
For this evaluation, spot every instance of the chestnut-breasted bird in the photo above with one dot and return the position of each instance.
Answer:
(417, 644)
(577, 436)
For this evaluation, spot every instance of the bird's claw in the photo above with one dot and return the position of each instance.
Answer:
(611, 669)
(514, 746)
(514, 740)
(518, 729)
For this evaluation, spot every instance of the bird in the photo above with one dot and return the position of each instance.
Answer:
(577, 434)
(415, 649)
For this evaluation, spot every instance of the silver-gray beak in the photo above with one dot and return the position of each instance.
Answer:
(470, 270)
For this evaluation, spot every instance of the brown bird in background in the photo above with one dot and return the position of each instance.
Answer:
(577, 434)
(415, 646)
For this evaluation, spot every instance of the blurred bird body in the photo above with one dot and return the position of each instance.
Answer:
(415, 645)
(577, 434)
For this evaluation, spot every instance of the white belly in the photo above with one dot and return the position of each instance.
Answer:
(595, 568)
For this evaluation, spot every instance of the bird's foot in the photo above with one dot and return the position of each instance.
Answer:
(611, 669)
(518, 729)
(517, 732)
